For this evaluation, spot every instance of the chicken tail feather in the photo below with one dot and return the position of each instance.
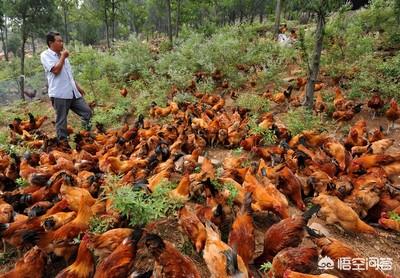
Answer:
(232, 267)
(310, 212)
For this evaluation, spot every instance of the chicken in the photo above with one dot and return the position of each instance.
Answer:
(119, 263)
(169, 262)
(336, 211)
(361, 164)
(266, 196)
(335, 250)
(31, 265)
(339, 100)
(221, 260)
(301, 82)
(346, 115)
(123, 92)
(83, 267)
(376, 134)
(103, 244)
(250, 142)
(393, 113)
(181, 192)
(294, 274)
(58, 241)
(241, 237)
(375, 103)
(291, 186)
(55, 221)
(288, 232)
(357, 135)
(376, 147)
(6, 212)
(156, 111)
(302, 259)
(337, 151)
(193, 227)
(320, 106)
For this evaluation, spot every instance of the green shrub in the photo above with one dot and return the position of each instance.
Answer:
(255, 103)
(301, 119)
(140, 207)
(100, 225)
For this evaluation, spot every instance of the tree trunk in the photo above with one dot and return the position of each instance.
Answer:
(107, 31)
(178, 14)
(113, 11)
(33, 45)
(4, 39)
(22, 80)
(277, 18)
(66, 25)
(313, 74)
(169, 22)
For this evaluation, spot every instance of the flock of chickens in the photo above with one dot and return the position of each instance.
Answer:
(349, 182)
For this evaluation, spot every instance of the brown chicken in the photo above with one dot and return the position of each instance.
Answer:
(336, 250)
(222, 260)
(291, 186)
(375, 103)
(266, 196)
(156, 111)
(31, 265)
(320, 106)
(376, 147)
(302, 259)
(181, 192)
(58, 241)
(393, 113)
(6, 212)
(119, 263)
(169, 262)
(241, 237)
(357, 135)
(193, 227)
(55, 221)
(83, 267)
(250, 142)
(363, 163)
(336, 211)
(288, 232)
(123, 92)
(103, 244)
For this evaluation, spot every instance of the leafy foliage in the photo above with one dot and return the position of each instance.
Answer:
(255, 103)
(301, 119)
(394, 216)
(140, 207)
(265, 267)
(100, 225)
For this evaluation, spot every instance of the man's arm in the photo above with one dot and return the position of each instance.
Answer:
(59, 65)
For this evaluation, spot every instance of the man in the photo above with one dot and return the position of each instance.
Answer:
(64, 92)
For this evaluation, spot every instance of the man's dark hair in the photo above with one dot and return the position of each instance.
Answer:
(50, 37)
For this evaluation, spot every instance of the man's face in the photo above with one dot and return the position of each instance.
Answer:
(58, 44)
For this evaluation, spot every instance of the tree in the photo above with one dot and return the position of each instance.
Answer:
(321, 8)
(29, 16)
(3, 29)
(66, 6)
(278, 10)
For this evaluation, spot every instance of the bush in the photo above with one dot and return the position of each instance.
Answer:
(141, 208)
(301, 119)
(255, 103)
